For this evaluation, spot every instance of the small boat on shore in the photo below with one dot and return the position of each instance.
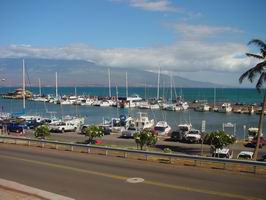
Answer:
(162, 128)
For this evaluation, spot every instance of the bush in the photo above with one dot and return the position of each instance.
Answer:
(42, 131)
(167, 150)
(92, 132)
(147, 137)
(219, 139)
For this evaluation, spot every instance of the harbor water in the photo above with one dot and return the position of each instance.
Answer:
(96, 115)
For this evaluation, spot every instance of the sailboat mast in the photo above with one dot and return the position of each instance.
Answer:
(126, 86)
(116, 89)
(158, 83)
(23, 85)
(214, 97)
(109, 82)
(145, 91)
(40, 87)
(171, 86)
(56, 86)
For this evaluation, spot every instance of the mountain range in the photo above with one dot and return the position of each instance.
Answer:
(83, 73)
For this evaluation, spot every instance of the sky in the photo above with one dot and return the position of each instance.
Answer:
(202, 40)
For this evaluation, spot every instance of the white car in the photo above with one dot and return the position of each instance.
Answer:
(247, 155)
(193, 136)
(223, 153)
(129, 133)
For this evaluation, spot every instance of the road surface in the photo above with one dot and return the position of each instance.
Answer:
(86, 176)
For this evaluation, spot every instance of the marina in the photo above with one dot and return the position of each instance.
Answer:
(94, 114)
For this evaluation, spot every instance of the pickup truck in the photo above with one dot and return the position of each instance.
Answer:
(62, 127)
(193, 136)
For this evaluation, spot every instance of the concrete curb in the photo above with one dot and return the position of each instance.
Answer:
(27, 190)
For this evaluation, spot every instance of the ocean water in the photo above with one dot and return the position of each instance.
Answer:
(92, 114)
(249, 95)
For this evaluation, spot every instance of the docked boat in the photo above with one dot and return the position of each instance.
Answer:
(144, 105)
(130, 102)
(252, 132)
(143, 122)
(154, 106)
(184, 105)
(203, 108)
(66, 102)
(105, 103)
(87, 102)
(185, 128)
(225, 108)
(162, 128)
(237, 110)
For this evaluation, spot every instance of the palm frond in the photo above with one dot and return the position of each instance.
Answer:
(259, 43)
(253, 72)
(263, 52)
(260, 81)
(254, 55)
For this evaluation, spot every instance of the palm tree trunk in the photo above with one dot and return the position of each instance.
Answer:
(260, 128)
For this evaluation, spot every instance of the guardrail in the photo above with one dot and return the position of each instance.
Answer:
(169, 156)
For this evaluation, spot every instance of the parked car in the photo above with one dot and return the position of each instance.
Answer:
(129, 133)
(16, 127)
(262, 142)
(106, 130)
(177, 136)
(193, 136)
(223, 153)
(245, 155)
(62, 127)
(263, 158)
(33, 123)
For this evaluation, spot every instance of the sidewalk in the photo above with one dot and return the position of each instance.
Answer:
(10, 190)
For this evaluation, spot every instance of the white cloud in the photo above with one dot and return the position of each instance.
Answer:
(150, 5)
(183, 56)
(199, 31)
(157, 5)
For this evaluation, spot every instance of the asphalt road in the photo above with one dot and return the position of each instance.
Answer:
(86, 176)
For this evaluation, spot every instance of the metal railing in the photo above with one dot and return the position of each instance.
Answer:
(169, 156)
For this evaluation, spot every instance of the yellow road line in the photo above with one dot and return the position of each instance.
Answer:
(117, 177)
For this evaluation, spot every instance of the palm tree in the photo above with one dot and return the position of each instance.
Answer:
(251, 74)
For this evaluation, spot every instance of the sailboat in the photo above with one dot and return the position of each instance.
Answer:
(51, 98)
(22, 115)
(39, 97)
(129, 101)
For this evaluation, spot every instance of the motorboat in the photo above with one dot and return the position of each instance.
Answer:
(252, 133)
(143, 122)
(225, 108)
(203, 108)
(162, 128)
(144, 105)
(87, 102)
(105, 103)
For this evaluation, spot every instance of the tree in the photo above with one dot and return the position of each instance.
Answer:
(251, 74)
(218, 139)
(42, 131)
(93, 131)
(145, 137)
